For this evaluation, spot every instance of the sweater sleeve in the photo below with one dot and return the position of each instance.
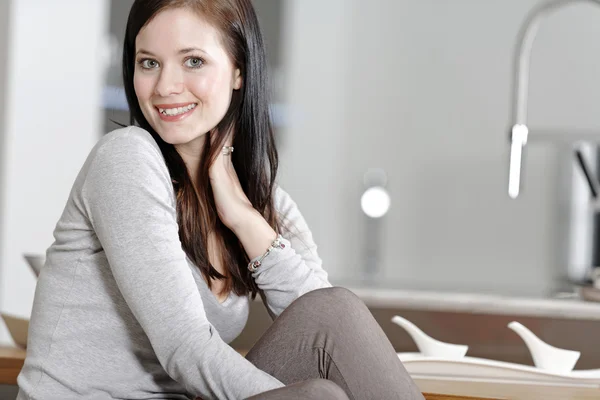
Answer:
(129, 200)
(288, 273)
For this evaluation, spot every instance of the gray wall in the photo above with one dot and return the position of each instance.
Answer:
(119, 11)
(269, 13)
(422, 89)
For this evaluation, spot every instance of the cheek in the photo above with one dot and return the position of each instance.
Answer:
(214, 90)
(143, 86)
(202, 87)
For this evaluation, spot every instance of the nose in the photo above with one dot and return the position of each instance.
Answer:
(169, 82)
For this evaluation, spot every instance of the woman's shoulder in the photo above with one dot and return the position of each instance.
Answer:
(127, 138)
(129, 145)
(126, 153)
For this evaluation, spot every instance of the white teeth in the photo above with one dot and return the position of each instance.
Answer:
(176, 111)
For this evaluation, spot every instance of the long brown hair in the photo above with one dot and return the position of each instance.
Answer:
(255, 157)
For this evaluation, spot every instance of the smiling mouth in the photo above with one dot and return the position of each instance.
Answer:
(175, 111)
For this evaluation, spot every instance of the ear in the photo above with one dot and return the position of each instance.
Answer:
(237, 79)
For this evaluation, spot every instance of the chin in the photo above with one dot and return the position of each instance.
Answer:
(177, 135)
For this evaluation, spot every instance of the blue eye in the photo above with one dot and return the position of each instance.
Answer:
(194, 62)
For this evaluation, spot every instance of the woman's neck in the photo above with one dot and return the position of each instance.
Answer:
(191, 153)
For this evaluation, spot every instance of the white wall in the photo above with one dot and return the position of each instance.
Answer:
(422, 88)
(311, 147)
(52, 119)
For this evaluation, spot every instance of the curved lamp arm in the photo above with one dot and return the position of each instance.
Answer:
(519, 130)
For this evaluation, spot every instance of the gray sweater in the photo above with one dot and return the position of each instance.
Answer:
(121, 312)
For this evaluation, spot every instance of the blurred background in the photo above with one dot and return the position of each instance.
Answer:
(411, 96)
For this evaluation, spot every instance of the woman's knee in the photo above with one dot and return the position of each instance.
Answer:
(333, 296)
(323, 389)
(333, 308)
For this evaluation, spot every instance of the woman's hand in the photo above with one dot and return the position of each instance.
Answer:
(233, 206)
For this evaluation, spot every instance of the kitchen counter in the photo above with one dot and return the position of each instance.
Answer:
(490, 304)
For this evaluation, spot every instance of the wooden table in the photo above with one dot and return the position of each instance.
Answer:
(481, 390)
(11, 362)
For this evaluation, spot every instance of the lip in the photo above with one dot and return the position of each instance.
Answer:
(174, 118)
(174, 105)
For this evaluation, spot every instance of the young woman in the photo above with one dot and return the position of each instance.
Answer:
(175, 223)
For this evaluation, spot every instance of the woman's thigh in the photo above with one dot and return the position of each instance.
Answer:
(330, 333)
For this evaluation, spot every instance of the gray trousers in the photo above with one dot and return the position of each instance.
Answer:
(327, 345)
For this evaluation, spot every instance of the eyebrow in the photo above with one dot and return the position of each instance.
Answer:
(182, 51)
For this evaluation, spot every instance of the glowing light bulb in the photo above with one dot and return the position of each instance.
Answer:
(375, 202)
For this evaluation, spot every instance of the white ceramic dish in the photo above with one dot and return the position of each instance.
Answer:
(438, 360)
(429, 346)
(481, 369)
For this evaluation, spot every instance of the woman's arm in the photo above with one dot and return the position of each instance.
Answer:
(288, 273)
(128, 198)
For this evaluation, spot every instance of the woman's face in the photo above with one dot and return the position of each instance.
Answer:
(183, 78)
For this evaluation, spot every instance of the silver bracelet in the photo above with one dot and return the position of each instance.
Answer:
(276, 244)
